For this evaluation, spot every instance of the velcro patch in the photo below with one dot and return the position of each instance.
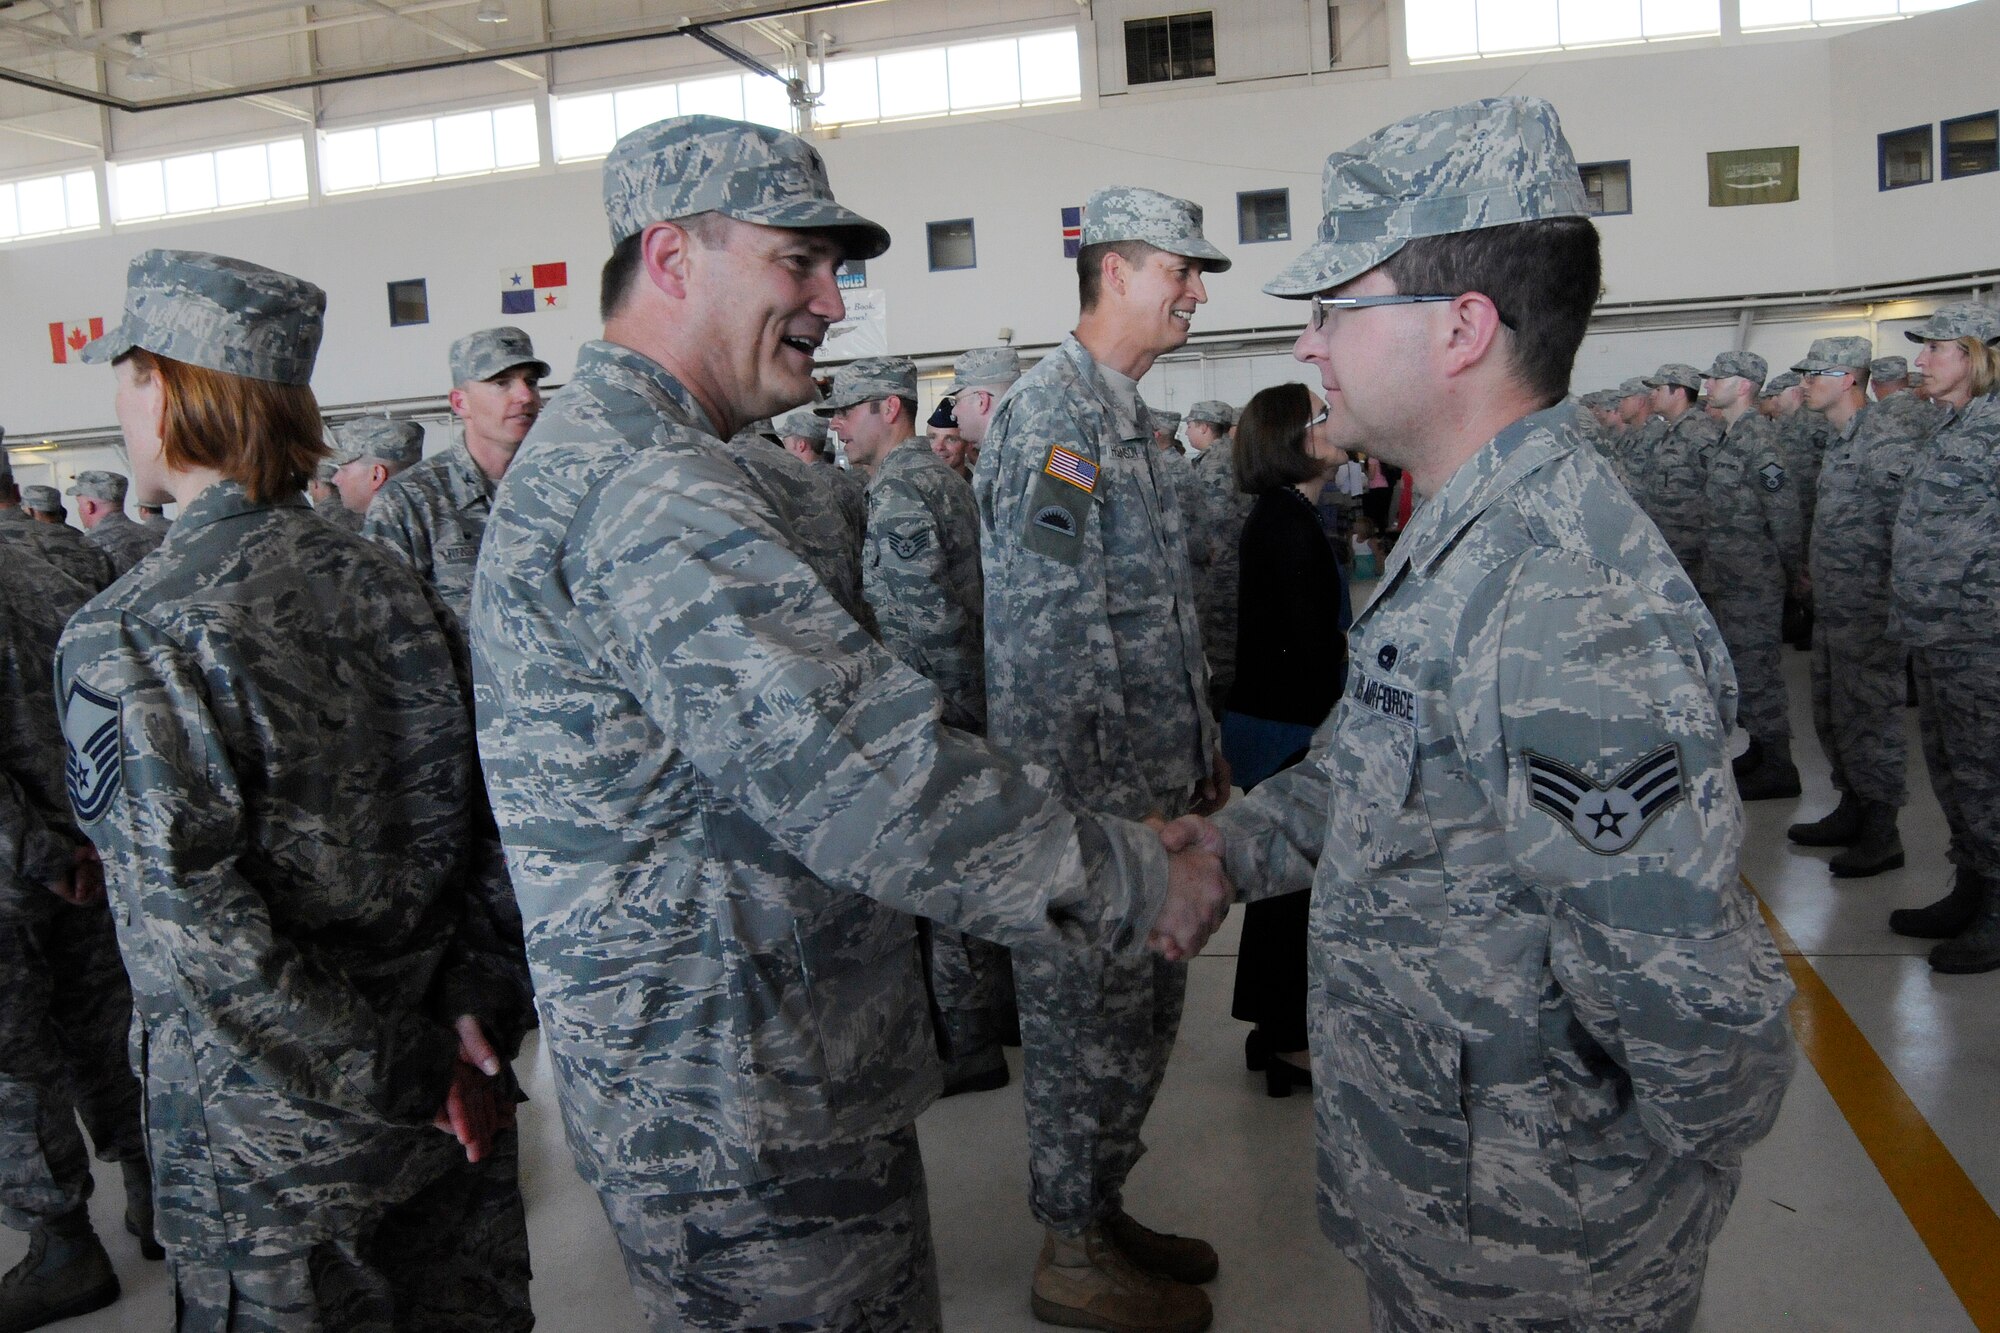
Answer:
(91, 728)
(463, 551)
(1773, 475)
(1607, 820)
(1073, 468)
(1398, 703)
(1056, 519)
(907, 546)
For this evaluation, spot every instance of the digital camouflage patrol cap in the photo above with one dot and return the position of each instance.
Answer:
(1129, 213)
(1961, 319)
(1853, 354)
(42, 499)
(1213, 411)
(1677, 373)
(1891, 368)
(1778, 383)
(1166, 421)
(1483, 164)
(1634, 387)
(490, 352)
(801, 422)
(869, 380)
(983, 366)
(106, 486)
(676, 168)
(398, 442)
(1743, 365)
(219, 313)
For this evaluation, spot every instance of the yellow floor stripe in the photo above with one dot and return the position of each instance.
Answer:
(1951, 1216)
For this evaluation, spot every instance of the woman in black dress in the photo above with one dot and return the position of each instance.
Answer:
(1291, 665)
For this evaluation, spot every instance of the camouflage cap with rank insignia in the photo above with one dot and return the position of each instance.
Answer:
(1891, 368)
(42, 499)
(1483, 164)
(1677, 373)
(985, 366)
(1778, 383)
(676, 168)
(1836, 354)
(1129, 213)
(1739, 365)
(869, 380)
(1213, 411)
(219, 313)
(802, 423)
(398, 442)
(490, 352)
(95, 485)
(1961, 319)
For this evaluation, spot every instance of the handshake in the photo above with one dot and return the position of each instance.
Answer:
(1198, 892)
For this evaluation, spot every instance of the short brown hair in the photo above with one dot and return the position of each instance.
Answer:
(266, 437)
(1090, 267)
(1985, 364)
(1270, 451)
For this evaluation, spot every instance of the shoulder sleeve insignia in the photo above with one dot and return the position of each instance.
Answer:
(1607, 820)
(1073, 468)
(907, 546)
(91, 729)
(1773, 475)
(1056, 519)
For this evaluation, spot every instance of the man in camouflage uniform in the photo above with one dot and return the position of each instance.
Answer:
(921, 579)
(44, 505)
(325, 496)
(434, 513)
(1166, 438)
(1944, 593)
(154, 517)
(1547, 1020)
(68, 1012)
(980, 378)
(1224, 509)
(1888, 376)
(945, 442)
(1676, 457)
(1753, 555)
(270, 741)
(371, 450)
(1802, 437)
(1094, 667)
(23, 536)
(723, 802)
(1858, 678)
(100, 507)
(803, 434)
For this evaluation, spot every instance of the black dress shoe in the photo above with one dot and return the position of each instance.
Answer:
(1256, 1050)
(1281, 1076)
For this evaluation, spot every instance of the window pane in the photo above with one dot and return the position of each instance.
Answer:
(1971, 148)
(288, 169)
(643, 106)
(1926, 6)
(950, 244)
(914, 83)
(849, 95)
(985, 74)
(1049, 68)
(517, 137)
(586, 126)
(1682, 18)
(1191, 38)
(409, 151)
(465, 143)
(80, 191)
(242, 176)
(137, 191)
(347, 160)
(1440, 29)
(1588, 22)
(766, 102)
(10, 221)
(1835, 11)
(1906, 158)
(1516, 25)
(40, 204)
(190, 182)
(1775, 13)
(716, 97)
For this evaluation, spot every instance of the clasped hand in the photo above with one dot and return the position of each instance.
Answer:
(478, 1106)
(1198, 891)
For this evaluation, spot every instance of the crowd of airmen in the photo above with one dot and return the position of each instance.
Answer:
(781, 794)
(1843, 505)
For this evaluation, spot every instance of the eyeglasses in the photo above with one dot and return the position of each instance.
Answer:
(1323, 306)
(1315, 422)
(1825, 374)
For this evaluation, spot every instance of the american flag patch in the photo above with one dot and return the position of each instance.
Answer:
(1075, 469)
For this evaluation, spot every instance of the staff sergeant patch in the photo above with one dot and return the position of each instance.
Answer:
(90, 726)
(1610, 819)
(1773, 475)
(1073, 468)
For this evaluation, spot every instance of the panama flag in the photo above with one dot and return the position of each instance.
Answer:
(527, 287)
(1072, 230)
(68, 339)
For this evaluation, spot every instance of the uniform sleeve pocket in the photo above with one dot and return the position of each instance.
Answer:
(1397, 1083)
(1055, 518)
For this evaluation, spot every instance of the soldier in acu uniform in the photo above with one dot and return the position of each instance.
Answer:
(369, 452)
(723, 802)
(1802, 437)
(1547, 1019)
(154, 517)
(921, 579)
(1224, 508)
(1094, 667)
(100, 507)
(1945, 607)
(434, 514)
(1753, 554)
(58, 544)
(68, 1010)
(44, 505)
(247, 713)
(980, 378)
(1888, 376)
(1677, 450)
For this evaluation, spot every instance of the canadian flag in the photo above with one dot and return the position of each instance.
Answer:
(67, 338)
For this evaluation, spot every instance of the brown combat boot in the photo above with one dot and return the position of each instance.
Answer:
(1177, 1258)
(1085, 1282)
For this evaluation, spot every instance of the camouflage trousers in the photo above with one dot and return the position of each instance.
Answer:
(64, 1024)
(839, 1244)
(972, 991)
(452, 1258)
(1958, 710)
(1749, 610)
(1096, 1032)
(1675, 1314)
(1858, 689)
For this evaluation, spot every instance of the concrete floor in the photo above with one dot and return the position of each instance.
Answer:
(1816, 1240)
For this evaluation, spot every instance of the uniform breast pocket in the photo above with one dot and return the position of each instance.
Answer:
(1381, 802)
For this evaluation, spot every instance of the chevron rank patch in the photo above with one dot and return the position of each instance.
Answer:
(1773, 475)
(90, 726)
(907, 546)
(1609, 819)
